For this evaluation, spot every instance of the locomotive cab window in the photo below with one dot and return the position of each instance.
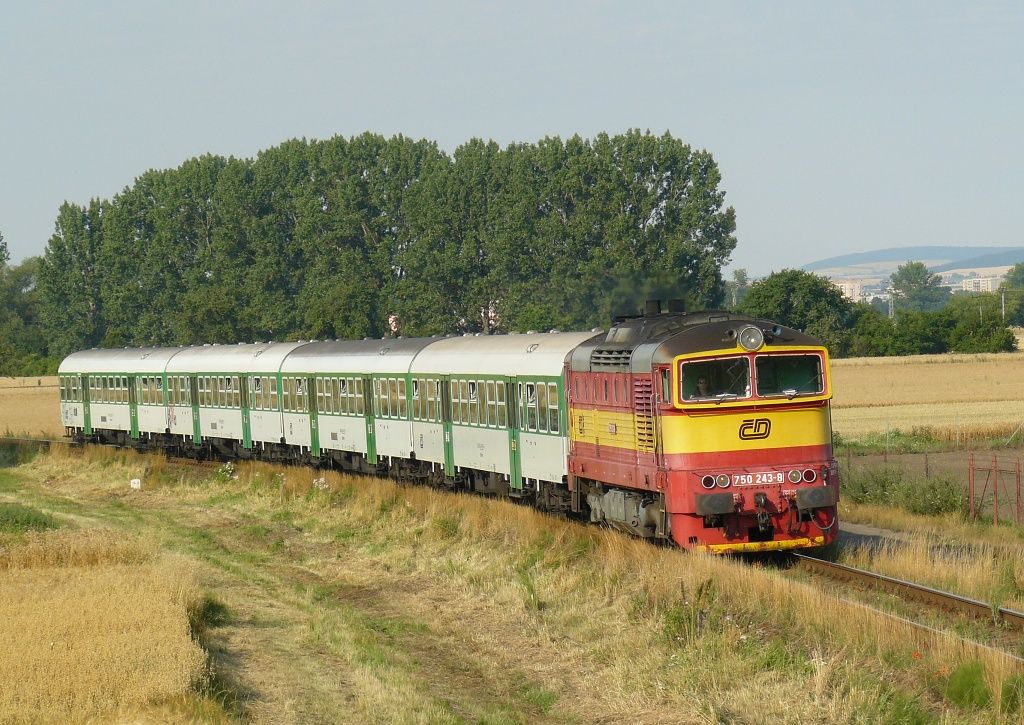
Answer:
(789, 375)
(716, 380)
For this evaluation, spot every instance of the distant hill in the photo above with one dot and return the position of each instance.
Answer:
(902, 254)
(997, 259)
(880, 263)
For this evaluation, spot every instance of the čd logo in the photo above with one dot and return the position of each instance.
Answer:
(755, 429)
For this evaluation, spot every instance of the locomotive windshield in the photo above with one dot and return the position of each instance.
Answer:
(716, 380)
(789, 375)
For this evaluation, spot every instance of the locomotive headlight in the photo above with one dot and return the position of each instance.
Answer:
(809, 475)
(795, 476)
(750, 338)
(722, 480)
(708, 482)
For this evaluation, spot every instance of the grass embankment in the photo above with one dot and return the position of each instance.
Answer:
(357, 600)
(945, 400)
(94, 624)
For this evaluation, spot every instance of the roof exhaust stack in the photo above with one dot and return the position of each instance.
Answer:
(652, 308)
(677, 306)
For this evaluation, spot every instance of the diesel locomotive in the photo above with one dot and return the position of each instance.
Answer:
(710, 430)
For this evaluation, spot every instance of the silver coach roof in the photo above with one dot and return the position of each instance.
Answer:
(127, 360)
(389, 355)
(260, 357)
(541, 353)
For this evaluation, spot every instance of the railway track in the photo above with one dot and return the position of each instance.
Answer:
(914, 592)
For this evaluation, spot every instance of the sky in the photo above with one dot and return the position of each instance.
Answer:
(838, 127)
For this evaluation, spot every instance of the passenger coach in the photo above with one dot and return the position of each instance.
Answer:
(708, 429)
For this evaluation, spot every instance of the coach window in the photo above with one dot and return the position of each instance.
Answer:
(531, 406)
(492, 404)
(499, 399)
(553, 424)
(236, 385)
(403, 400)
(360, 395)
(542, 406)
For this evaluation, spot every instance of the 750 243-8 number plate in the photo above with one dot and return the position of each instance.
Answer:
(760, 477)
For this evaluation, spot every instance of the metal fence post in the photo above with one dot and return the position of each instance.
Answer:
(1017, 476)
(995, 491)
(970, 483)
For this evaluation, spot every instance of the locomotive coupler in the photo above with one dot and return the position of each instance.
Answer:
(764, 522)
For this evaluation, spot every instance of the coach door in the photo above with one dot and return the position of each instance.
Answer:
(86, 413)
(514, 448)
(314, 421)
(446, 417)
(243, 387)
(371, 438)
(133, 405)
(193, 384)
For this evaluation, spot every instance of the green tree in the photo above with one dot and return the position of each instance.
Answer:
(916, 289)
(737, 288)
(806, 302)
(974, 323)
(70, 279)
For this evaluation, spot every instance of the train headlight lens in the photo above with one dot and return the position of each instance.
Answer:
(750, 338)
(708, 482)
(722, 480)
(795, 476)
(810, 475)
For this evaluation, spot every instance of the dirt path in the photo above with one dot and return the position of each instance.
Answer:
(312, 632)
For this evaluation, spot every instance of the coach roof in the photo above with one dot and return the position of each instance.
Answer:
(387, 355)
(126, 360)
(260, 357)
(541, 353)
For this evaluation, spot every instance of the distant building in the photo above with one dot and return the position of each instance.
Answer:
(851, 288)
(981, 284)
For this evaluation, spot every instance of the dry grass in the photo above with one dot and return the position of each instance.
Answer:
(28, 409)
(425, 602)
(92, 623)
(965, 396)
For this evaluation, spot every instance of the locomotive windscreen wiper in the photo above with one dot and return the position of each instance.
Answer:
(793, 392)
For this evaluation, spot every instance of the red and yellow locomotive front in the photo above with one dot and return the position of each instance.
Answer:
(709, 429)
(748, 447)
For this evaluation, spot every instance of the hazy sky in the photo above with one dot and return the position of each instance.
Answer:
(837, 127)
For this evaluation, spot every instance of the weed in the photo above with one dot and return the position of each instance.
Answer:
(966, 686)
(537, 696)
(688, 619)
(17, 519)
(1012, 694)
(891, 486)
(447, 526)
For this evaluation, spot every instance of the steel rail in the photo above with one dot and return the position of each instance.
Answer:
(916, 592)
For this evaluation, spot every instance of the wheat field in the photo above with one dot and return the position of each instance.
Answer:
(960, 396)
(93, 622)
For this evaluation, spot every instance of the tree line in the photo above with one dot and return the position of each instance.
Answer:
(374, 236)
(926, 318)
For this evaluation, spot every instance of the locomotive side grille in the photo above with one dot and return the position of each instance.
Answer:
(611, 357)
(644, 407)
